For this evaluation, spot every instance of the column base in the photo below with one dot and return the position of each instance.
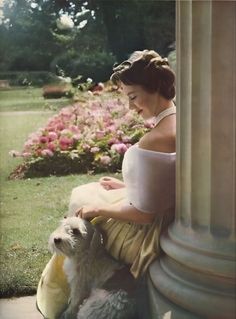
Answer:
(162, 308)
(186, 293)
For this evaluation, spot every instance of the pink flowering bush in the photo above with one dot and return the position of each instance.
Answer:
(83, 138)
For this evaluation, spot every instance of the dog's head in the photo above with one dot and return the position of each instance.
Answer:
(74, 236)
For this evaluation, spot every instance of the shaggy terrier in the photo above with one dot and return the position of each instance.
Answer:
(95, 278)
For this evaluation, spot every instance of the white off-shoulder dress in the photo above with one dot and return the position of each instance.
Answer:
(149, 179)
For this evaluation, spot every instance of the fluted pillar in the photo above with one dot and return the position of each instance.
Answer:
(195, 277)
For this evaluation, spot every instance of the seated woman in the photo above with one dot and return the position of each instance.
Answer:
(132, 213)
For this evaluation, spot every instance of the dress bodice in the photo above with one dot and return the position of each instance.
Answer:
(149, 177)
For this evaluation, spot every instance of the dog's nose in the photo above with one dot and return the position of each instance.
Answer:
(57, 240)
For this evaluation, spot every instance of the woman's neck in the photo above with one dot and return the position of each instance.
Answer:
(162, 105)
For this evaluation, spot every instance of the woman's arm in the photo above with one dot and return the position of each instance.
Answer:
(117, 211)
(108, 183)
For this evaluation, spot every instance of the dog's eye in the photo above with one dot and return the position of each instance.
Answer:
(75, 231)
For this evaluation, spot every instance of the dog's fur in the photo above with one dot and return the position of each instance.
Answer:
(89, 270)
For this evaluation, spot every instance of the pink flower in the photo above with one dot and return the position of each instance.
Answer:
(126, 139)
(120, 148)
(60, 126)
(77, 137)
(52, 136)
(100, 134)
(65, 142)
(26, 154)
(33, 138)
(38, 152)
(51, 146)
(113, 140)
(47, 152)
(51, 128)
(66, 112)
(77, 128)
(43, 139)
(64, 147)
(74, 129)
(111, 129)
(105, 160)
(95, 149)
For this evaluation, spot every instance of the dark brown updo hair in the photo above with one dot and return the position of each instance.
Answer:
(148, 69)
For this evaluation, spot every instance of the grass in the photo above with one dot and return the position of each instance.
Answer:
(29, 209)
(18, 99)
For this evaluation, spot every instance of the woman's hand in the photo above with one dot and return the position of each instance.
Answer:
(111, 183)
(88, 212)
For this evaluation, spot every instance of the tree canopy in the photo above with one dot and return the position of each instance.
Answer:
(81, 36)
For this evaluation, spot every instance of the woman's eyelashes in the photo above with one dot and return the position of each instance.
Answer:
(132, 98)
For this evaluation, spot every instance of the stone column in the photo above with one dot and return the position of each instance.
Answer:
(195, 277)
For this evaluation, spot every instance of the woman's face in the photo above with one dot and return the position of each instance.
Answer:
(143, 102)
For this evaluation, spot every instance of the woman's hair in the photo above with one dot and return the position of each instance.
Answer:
(148, 69)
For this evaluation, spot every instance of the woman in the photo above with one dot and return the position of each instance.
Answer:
(131, 213)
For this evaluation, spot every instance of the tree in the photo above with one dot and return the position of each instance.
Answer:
(102, 32)
(136, 25)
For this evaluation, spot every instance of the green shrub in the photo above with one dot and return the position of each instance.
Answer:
(95, 65)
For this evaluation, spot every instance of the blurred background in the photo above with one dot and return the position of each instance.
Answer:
(71, 38)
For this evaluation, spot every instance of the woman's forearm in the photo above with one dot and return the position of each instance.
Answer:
(126, 213)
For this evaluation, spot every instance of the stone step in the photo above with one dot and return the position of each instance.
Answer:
(19, 308)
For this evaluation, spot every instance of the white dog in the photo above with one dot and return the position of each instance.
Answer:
(90, 271)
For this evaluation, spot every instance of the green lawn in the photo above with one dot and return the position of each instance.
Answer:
(18, 99)
(30, 209)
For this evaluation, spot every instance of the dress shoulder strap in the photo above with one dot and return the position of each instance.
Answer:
(165, 113)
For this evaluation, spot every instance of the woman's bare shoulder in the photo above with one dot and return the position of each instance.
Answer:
(160, 139)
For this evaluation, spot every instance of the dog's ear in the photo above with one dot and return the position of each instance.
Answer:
(94, 237)
(82, 226)
(96, 240)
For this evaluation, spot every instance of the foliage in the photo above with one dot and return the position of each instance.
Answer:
(95, 64)
(93, 36)
(82, 138)
(136, 25)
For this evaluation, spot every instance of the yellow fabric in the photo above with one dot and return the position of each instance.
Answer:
(53, 291)
(135, 245)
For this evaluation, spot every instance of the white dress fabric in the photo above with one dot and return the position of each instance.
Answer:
(150, 179)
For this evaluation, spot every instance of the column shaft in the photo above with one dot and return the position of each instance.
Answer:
(197, 272)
